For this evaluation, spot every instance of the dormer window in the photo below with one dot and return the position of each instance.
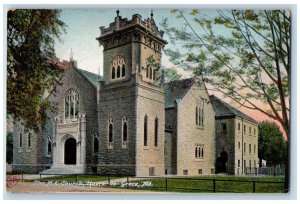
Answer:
(71, 104)
(118, 68)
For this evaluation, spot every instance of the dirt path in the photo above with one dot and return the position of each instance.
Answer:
(29, 187)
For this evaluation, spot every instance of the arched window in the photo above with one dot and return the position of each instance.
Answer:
(71, 104)
(20, 140)
(118, 72)
(29, 140)
(156, 132)
(124, 131)
(96, 145)
(113, 73)
(118, 67)
(123, 70)
(110, 132)
(145, 130)
(49, 147)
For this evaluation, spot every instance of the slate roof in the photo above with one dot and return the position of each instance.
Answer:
(176, 89)
(223, 109)
(91, 77)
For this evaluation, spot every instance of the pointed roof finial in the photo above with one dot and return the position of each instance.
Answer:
(118, 11)
(151, 14)
(71, 55)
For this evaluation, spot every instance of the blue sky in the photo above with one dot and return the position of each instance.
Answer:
(83, 28)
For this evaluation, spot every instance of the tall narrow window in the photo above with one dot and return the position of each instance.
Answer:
(124, 131)
(118, 72)
(244, 128)
(145, 130)
(29, 139)
(123, 70)
(239, 126)
(113, 73)
(20, 140)
(156, 132)
(147, 72)
(254, 131)
(49, 147)
(199, 116)
(71, 104)
(254, 149)
(250, 148)
(110, 132)
(202, 116)
(196, 115)
(250, 130)
(224, 127)
(150, 73)
(244, 147)
(154, 74)
(96, 145)
(196, 152)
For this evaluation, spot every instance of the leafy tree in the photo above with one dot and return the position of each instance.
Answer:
(244, 54)
(9, 147)
(271, 146)
(171, 74)
(30, 46)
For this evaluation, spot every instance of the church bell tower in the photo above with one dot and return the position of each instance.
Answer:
(131, 99)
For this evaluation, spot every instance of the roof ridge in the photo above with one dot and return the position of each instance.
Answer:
(81, 72)
(234, 110)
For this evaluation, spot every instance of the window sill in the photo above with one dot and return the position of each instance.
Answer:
(145, 147)
(200, 127)
(200, 160)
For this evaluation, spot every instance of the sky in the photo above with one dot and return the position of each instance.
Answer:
(83, 29)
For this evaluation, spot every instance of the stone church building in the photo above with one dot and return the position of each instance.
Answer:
(128, 121)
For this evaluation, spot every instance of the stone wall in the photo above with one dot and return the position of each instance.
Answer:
(73, 79)
(189, 134)
(117, 100)
(150, 102)
(171, 140)
(25, 158)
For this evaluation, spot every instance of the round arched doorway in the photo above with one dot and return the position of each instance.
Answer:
(70, 151)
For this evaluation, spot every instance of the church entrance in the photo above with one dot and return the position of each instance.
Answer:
(70, 151)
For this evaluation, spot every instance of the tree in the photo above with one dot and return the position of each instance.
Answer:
(271, 146)
(30, 46)
(243, 54)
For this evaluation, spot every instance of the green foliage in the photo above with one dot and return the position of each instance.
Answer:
(171, 74)
(244, 54)
(271, 146)
(30, 45)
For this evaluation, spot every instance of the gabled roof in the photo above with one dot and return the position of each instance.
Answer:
(223, 109)
(176, 89)
(91, 77)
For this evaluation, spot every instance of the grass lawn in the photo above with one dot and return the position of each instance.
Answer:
(198, 184)
(223, 184)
